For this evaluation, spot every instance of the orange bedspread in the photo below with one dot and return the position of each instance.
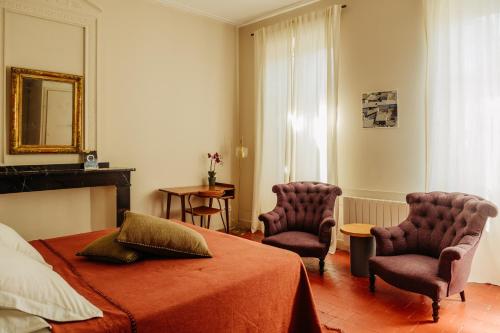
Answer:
(245, 287)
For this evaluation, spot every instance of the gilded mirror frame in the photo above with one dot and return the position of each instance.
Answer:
(77, 82)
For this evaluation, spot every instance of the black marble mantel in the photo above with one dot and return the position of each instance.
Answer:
(31, 178)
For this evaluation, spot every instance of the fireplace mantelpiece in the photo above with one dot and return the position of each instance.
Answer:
(31, 178)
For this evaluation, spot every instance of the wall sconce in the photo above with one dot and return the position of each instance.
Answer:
(241, 151)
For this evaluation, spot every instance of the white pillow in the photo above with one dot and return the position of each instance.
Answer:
(29, 286)
(11, 239)
(20, 322)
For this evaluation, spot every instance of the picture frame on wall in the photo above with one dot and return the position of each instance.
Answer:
(380, 109)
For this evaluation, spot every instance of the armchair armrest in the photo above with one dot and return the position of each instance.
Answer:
(325, 230)
(457, 259)
(390, 241)
(274, 221)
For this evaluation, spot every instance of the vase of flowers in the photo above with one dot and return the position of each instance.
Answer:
(215, 159)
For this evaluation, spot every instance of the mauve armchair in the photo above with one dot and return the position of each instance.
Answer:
(302, 220)
(431, 252)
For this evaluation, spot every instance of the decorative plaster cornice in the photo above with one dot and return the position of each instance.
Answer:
(196, 11)
(192, 10)
(278, 11)
(82, 12)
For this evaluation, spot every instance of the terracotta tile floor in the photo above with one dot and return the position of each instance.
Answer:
(344, 302)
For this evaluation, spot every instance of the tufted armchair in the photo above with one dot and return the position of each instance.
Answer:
(431, 252)
(302, 220)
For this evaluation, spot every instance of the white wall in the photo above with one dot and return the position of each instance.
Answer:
(167, 97)
(39, 42)
(382, 48)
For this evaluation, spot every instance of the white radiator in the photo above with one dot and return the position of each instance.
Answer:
(382, 213)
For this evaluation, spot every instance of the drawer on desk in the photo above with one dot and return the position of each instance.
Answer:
(228, 194)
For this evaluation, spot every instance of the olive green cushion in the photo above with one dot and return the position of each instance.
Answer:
(108, 249)
(161, 237)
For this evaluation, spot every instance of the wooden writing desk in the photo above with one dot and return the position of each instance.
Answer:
(182, 192)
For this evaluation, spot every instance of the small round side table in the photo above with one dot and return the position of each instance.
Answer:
(362, 246)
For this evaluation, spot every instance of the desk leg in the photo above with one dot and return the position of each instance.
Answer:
(169, 202)
(183, 207)
(210, 202)
(226, 206)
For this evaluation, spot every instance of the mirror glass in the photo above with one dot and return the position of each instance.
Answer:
(47, 112)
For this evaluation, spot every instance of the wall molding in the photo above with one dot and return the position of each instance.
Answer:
(245, 223)
(279, 11)
(374, 194)
(80, 13)
(195, 11)
(238, 24)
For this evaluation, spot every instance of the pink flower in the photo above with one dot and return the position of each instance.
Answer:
(215, 159)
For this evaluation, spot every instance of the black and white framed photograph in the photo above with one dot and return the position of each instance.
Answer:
(380, 109)
(90, 160)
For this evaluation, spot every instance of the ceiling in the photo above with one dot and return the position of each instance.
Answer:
(236, 12)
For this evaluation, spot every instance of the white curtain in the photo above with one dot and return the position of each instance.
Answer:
(296, 74)
(464, 110)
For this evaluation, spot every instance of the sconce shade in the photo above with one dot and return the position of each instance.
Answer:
(241, 151)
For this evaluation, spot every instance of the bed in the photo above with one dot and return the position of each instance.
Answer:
(245, 287)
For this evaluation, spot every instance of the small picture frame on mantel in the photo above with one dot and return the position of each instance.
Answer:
(90, 160)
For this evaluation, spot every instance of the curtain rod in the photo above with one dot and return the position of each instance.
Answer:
(343, 6)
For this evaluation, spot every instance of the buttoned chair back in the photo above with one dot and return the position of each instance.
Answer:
(438, 220)
(302, 220)
(305, 205)
(431, 252)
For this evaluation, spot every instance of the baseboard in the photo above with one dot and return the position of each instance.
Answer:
(245, 224)
(343, 245)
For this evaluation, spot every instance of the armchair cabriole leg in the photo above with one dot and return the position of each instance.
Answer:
(435, 310)
(462, 295)
(321, 265)
(372, 282)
